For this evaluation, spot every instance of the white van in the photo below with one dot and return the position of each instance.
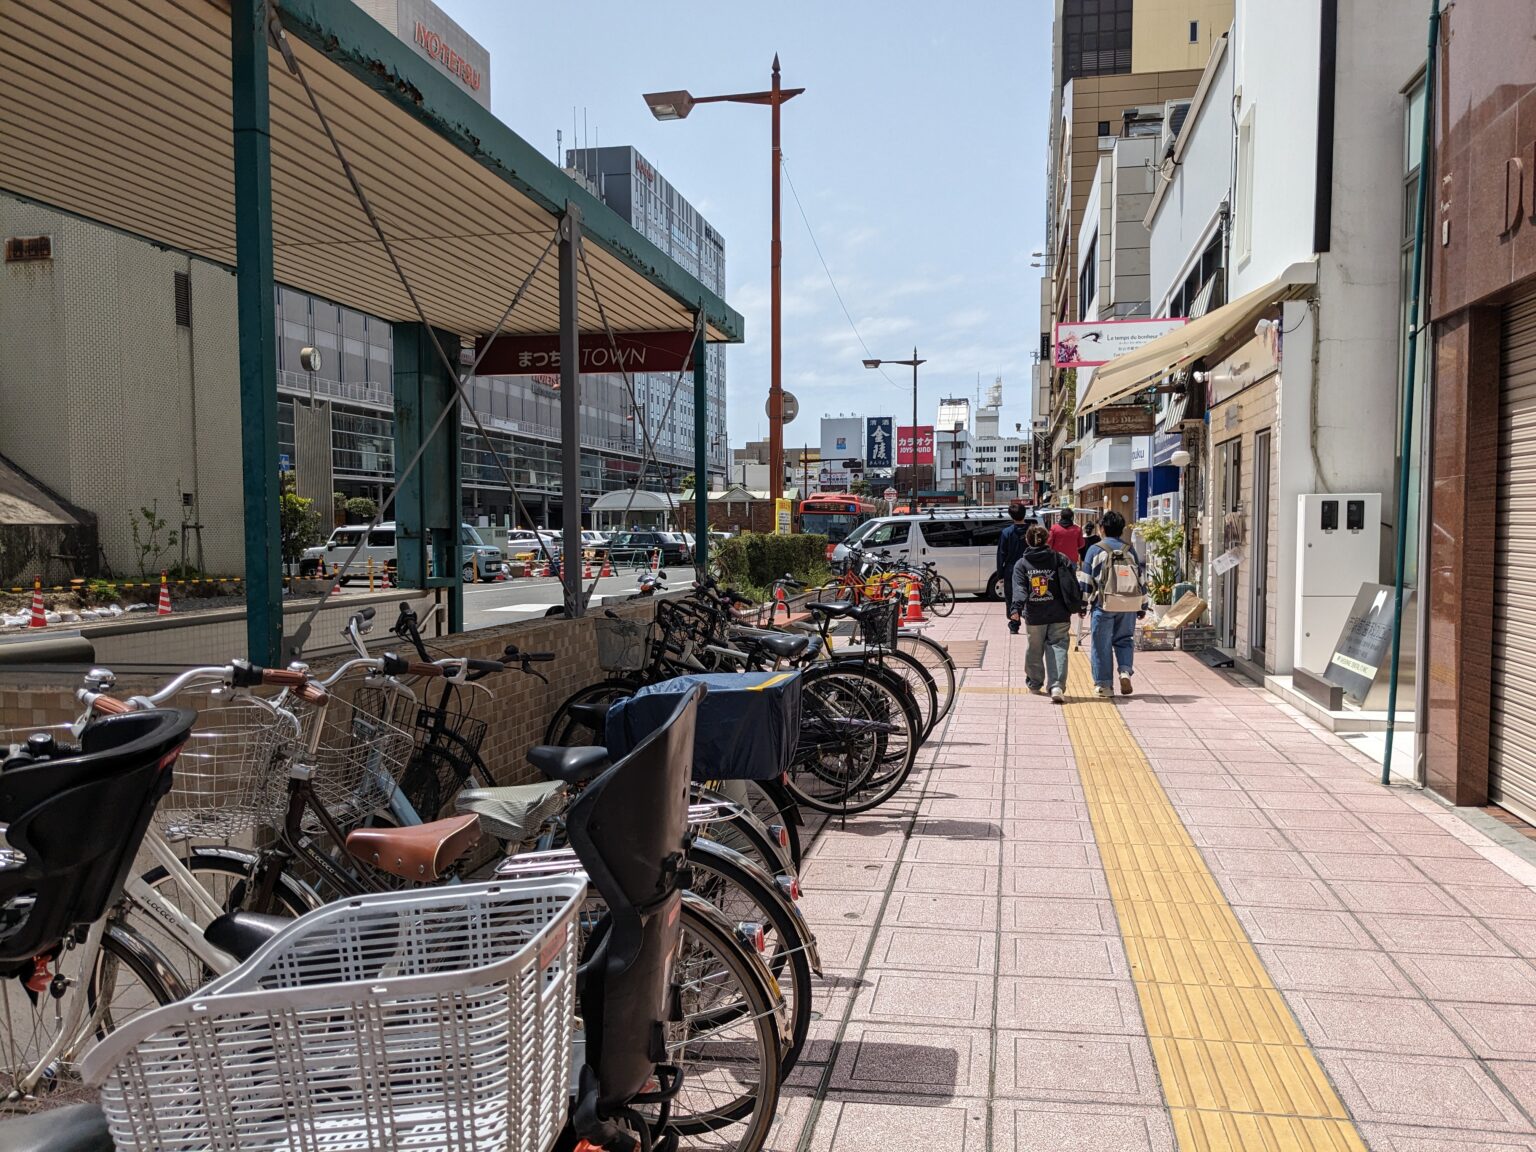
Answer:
(481, 561)
(960, 543)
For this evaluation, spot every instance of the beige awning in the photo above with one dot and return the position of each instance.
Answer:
(1128, 374)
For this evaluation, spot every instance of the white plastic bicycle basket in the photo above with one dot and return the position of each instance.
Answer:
(437, 1020)
(620, 644)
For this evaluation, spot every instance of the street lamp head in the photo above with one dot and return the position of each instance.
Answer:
(669, 105)
(871, 363)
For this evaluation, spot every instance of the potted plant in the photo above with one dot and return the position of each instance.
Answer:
(1164, 541)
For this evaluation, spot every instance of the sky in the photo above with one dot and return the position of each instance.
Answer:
(918, 153)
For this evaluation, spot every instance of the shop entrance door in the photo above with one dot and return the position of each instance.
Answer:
(1227, 535)
(1258, 551)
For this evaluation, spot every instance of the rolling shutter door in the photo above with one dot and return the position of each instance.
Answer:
(1512, 754)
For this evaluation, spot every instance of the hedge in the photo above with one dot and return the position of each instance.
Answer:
(754, 560)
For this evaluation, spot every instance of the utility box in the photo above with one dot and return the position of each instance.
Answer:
(1340, 549)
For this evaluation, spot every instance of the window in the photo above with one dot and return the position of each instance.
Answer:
(1095, 38)
(183, 292)
(1088, 278)
(884, 535)
(1194, 31)
(946, 533)
(1244, 220)
(1103, 127)
(381, 538)
(1413, 140)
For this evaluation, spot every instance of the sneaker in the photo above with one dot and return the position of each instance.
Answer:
(1101, 691)
(1037, 689)
(1013, 629)
(1125, 684)
(1057, 697)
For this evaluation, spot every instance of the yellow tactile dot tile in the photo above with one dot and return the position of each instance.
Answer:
(1235, 1070)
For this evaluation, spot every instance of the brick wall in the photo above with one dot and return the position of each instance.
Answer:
(745, 516)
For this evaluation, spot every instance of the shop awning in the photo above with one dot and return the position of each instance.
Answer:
(1129, 374)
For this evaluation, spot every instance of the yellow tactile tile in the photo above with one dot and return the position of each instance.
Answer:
(1236, 1072)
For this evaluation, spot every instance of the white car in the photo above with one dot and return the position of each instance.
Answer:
(960, 543)
(591, 539)
(480, 561)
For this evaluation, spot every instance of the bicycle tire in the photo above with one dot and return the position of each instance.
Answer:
(941, 601)
(937, 660)
(772, 803)
(919, 682)
(121, 948)
(565, 732)
(741, 892)
(858, 712)
(740, 830)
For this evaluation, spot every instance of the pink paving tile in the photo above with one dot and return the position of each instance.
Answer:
(1447, 935)
(1060, 955)
(830, 907)
(1277, 892)
(1200, 816)
(1511, 903)
(930, 910)
(1374, 1024)
(1084, 883)
(963, 879)
(1332, 840)
(842, 946)
(943, 809)
(1044, 811)
(956, 999)
(935, 949)
(1105, 1069)
(1086, 1007)
(1390, 1138)
(900, 1122)
(1042, 796)
(1047, 776)
(832, 845)
(1495, 1031)
(1519, 1079)
(1186, 779)
(1405, 823)
(1313, 969)
(1049, 854)
(1519, 935)
(1075, 917)
(1074, 831)
(1027, 1126)
(937, 850)
(1303, 926)
(1410, 899)
(1247, 862)
(1363, 866)
(1489, 979)
(1377, 803)
(1454, 870)
(958, 829)
(1208, 798)
(1255, 838)
(824, 874)
(1438, 1092)
(788, 1123)
(1295, 801)
(1339, 821)
(919, 1060)
(1439, 844)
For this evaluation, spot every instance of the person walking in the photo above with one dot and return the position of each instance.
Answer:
(1090, 538)
(1010, 546)
(1119, 599)
(1046, 595)
(1066, 537)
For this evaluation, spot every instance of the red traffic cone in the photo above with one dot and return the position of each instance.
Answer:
(779, 601)
(914, 605)
(656, 560)
(164, 607)
(39, 613)
(607, 567)
(586, 567)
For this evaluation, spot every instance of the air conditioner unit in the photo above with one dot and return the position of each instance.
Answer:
(1175, 112)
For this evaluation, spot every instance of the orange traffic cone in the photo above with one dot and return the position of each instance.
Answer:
(164, 607)
(779, 601)
(656, 560)
(607, 567)
(586, 567)
(914, 605)
(39, 613)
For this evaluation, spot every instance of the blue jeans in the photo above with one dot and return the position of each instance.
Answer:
(1113, 638)
(1045, 663)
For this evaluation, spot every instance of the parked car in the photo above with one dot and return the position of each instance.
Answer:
(961, 544)
(480, 561)
(631, 547)
(522, 541)
(591, 539)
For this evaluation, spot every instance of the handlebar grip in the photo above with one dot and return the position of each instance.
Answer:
(246, 674)
(284, 677)
(367, 613)
(537, 657)
(485, 665)
(395, 665)
(423, 668)
(111, 706)
(312, 692)
(738, 598)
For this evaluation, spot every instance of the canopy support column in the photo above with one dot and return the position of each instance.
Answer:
(257, 328)
(427, 512)
(700, 449)
(570, 411)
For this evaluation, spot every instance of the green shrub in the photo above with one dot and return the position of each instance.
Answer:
(361, 510)
(752, 561)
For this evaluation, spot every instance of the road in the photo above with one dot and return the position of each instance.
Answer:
(486, 605)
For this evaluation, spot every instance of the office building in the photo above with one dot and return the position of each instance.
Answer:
(438, 38)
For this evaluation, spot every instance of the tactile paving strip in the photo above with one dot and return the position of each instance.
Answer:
(1236, 1071)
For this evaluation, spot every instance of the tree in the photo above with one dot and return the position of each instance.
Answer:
(299, 525)
(361, 510)
(147, 540)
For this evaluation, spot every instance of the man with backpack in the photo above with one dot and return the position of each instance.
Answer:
(1010, 546)
(1046, 595)
(1119, 599)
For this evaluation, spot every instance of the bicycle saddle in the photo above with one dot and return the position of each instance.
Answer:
(569, 765)
(76, 1128)
(782, 647)
(241, 933)
(831, 609)
(515, 813)
(593, 716)
(420, 852)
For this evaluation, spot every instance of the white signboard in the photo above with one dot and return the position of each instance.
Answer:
(1093, 342)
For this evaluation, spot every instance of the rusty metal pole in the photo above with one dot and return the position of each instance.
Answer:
(776, 351)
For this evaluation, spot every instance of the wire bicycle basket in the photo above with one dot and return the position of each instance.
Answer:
(446, 746)
(357, 751)
(621, 645)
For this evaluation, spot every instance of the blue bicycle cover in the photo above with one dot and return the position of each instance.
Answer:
(748, 722)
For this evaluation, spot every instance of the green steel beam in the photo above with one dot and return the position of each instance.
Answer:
(257, 328)
(700, 456)
(426, 510)
(342, 32)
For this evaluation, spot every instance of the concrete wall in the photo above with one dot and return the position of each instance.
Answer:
(111, 403)
(1131, 184)
(1160, 33)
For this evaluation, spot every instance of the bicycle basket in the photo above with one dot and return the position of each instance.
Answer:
(359, 752)
(620, 644)
(878, 629)
(444, 755)
(233, 770)
(438, 1020)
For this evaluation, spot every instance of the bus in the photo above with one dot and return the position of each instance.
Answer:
(835, 514)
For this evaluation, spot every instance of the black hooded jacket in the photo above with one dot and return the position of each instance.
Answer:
(1045, 587)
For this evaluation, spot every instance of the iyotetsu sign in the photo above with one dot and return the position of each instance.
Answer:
(1093, 342)
(522, 355)
(924, 444)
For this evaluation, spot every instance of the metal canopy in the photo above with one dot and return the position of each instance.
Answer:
(121, 113)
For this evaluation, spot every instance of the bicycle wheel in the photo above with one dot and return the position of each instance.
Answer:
(857, 741)
(225, 875)
(739, 829)
(939, 595)
(568, 732)
(743, 893)
(771, 802)
(126, 980)
(917, 680)
(936, 658)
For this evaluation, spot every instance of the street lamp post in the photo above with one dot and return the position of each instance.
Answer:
(676, 106)
(914, 362)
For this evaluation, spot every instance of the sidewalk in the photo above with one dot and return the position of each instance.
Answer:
(1182, 919)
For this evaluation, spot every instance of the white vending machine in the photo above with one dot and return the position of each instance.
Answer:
(1340, 549)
